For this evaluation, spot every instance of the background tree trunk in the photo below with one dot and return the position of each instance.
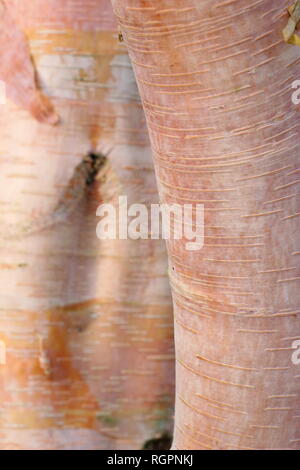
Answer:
(87, 323)
(215, 80)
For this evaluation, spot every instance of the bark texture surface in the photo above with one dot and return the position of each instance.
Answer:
(87, 323)
(215, 80)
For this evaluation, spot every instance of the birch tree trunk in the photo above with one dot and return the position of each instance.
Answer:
(215, 79)
(87, 323)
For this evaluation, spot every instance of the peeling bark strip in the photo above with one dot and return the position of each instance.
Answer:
(17, 70)
(289, 30)
(215, 79)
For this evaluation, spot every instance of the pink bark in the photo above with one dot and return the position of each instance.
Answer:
(215, 80)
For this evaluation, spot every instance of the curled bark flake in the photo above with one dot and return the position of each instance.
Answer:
(17, 71)
(289, 31)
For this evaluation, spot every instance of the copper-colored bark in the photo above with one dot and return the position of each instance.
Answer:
(215, 79)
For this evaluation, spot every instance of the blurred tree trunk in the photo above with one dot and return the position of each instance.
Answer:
(87, 323)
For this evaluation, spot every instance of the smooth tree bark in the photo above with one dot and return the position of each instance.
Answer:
(87, 323)
(215, 79)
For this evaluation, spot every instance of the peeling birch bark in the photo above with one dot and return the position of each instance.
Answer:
(288, 32)
(71, 306)
(215, 80)
(18, 73)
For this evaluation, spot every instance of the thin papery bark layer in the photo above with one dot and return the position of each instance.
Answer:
(17, 68)
(215, 80)
(17, 73)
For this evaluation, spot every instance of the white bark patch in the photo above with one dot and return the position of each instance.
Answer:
(69, 76)
(124, 84)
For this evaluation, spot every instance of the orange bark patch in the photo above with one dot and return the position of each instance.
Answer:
(17, 72)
